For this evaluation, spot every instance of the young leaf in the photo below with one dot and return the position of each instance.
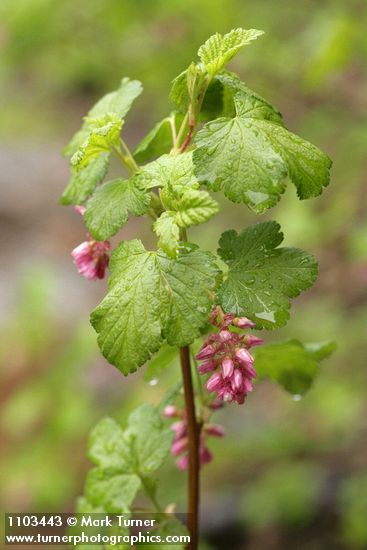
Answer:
(175, 171)
(249, 156)
(108, 448)
(218, 50)
(194, 207)
(168, 232)
(170, 526)
(139, 449)
(115, 493)
(117, 103)
(152, 297)
(186, 86)
(104, 135)
(292, 364)
(109, 207)
(262, 277)
(149, 437)
(83, 182)
(159, 140)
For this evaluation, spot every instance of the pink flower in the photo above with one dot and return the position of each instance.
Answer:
(91, 258)
(170, 411)
(180, 441)
(227, 357)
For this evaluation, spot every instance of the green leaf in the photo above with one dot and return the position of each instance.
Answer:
(159, 140)
(186, 86)
(114, 493)
(164, 358)
(174, 171)
(104, 135)
(292, 364)
(218, 50)
(149, 437)
(152, 298)
(108, 448)
(168, 232)
(194, 207)
(262, 277)
(117, 103)
(109, 207)
(84, 181)
(249, 156)
(139, 449)
(168, 527)
(254, 103)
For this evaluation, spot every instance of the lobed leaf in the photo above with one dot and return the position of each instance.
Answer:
(150, 438)
(117, 103)
(261, 276)
(108, 447)
(192, 208)
(109, 207)
(83, 182)
(250, 155)
(174, 171)
(159, 140)
(114, 493)
(168, 232)
(104, 135)
(151, 298)
(292, 364)
(218, 50)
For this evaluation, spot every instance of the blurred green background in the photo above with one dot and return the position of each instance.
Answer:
(289, 474)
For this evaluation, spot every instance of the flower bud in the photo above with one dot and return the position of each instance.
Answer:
(250, 340)
(207, 366)
(206, 351)
(179, 428)
(227, 368)
(244, 356)
(170, 411)
(215, 430)
(205, 456)
(225, 335)
(183, 462)
(214, 382)
(237, 380)
(243, 322)
(179, 446)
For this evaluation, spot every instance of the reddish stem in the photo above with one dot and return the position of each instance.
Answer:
(193, 431)
(187, 138)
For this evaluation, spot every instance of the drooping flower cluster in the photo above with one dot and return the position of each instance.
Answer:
(91, 257)
(226, 355)
(180, 442)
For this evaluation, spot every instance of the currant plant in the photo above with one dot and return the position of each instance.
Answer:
(220, 137)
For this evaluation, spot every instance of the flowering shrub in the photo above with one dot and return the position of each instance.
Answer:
(220, 137)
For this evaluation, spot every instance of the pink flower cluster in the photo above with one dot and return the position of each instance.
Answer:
(226, 355)
(180, 443)
(91, 257)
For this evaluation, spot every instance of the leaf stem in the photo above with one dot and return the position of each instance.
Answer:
(181, 130)
(151, 495)
(172, 122)
(129, 159)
